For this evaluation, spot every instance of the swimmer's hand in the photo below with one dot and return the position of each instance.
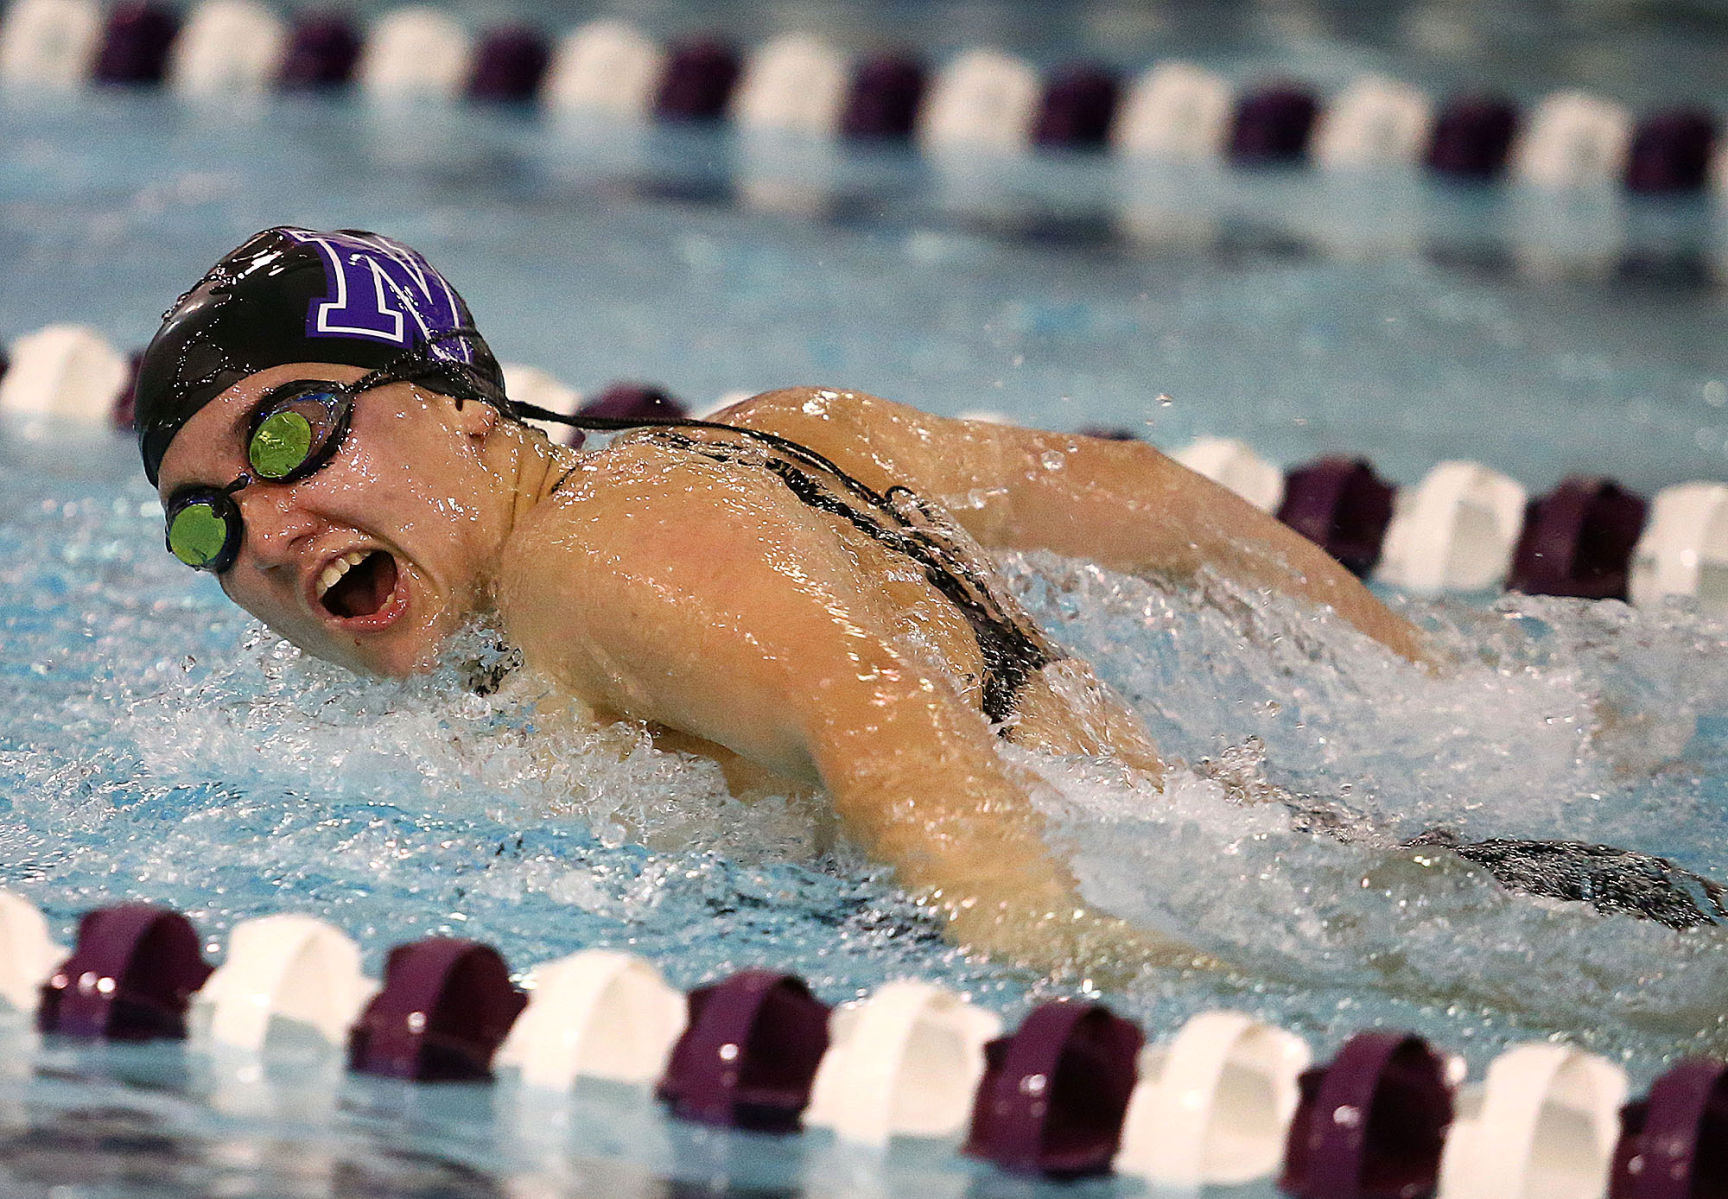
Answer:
(1062, 937)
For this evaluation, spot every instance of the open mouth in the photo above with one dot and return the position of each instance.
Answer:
(358, 584)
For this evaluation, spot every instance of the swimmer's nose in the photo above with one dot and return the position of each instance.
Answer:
(274, 523)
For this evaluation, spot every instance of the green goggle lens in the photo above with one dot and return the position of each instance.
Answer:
(198, 534)
(280, 445)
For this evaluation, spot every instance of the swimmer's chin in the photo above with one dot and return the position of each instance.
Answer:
(372, 666)
(398, 657)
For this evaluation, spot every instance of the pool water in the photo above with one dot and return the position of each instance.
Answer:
(161, 746)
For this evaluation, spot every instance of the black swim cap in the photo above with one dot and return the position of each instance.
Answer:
(297, 295)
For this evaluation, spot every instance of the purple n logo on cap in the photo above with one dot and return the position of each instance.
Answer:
(380, 290)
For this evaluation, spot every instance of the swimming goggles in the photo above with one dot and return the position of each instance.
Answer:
(295, 430)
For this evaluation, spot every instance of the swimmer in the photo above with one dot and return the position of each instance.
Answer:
(799, 588)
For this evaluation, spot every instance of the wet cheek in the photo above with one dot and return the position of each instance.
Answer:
(269, 609)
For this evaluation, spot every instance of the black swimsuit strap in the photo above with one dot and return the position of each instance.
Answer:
(1013, 648)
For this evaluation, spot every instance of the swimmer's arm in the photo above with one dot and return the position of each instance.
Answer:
(1122, 504)
(715, 605)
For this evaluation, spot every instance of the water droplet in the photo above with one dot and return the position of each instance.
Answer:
(1164, 400)
(1052, 460)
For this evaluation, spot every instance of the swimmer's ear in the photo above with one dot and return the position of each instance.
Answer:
(476, 419)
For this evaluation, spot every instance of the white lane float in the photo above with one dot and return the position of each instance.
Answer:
(605, 66)
(1574, 140)
(794, 82)
(415, 54)
(1176, 110)
(1684, 547)
(1543, 1125)
(68, 372)
(227, 47)
(986, 416)
(531, 385)
(1236, 467)
(284, 975)
(28, 955)
(595, 1014)
(903, 1063)
(49, 44)
(1213, 1106)
(1454, 531)
(982, 99)
(1374, 121)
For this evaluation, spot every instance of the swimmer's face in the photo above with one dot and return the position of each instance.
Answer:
(407, 506)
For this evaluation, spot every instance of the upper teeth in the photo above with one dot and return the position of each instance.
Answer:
(337, 569)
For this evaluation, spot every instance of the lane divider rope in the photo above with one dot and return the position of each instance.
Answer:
(979, 99)
(1073, 1091)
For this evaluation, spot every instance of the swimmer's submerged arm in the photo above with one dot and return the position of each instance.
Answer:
(1122, 504)
(711, 601)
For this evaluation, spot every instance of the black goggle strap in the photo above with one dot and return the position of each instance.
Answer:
(203, 529)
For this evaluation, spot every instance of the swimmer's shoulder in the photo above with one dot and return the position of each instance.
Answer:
(639, 499)
(880, 442)
(646, 485)
(818, 417)
(650, 556)
(578, 569)
(624, 484)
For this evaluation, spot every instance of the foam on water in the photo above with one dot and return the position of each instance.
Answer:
(164, 747)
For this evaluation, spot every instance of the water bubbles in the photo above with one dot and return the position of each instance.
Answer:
(1500, 744)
